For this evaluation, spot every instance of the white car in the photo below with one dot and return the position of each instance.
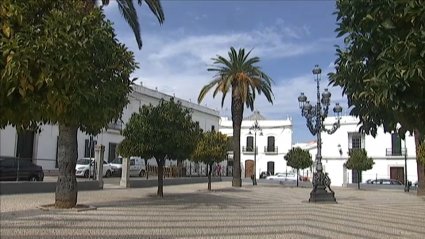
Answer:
(283, 177)
(85, 164)
(137, 166)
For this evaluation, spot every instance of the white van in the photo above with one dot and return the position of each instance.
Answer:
(137, 166)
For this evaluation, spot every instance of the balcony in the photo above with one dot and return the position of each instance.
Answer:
(249, 150)
(270, 150)
(395, 152)
(115, 125)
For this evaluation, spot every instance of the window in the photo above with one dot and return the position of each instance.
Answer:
(250, 143)
(270, 144)
(355, 141)
(395, 144)
(89, 149)
(7, 163)
(132, 162)
(112, 151)
(212, 128)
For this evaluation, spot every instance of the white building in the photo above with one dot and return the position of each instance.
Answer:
(387, 150)
(271, 147)
(42, 147)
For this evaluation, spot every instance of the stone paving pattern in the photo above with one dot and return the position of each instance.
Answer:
(189, 211)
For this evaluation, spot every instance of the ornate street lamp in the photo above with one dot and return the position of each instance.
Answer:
(315, 116)
(256, 128)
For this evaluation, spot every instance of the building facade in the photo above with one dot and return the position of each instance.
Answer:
(271, 144)
(389, 152)
(41, 147)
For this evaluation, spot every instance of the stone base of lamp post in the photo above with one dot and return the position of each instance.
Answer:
(321, 181)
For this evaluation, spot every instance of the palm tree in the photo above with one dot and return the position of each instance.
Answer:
(129, 13)
(245, 80)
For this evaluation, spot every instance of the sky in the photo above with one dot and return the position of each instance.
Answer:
(290, 37)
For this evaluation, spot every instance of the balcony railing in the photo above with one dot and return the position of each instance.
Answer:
(270, 150)
(395, 152)
(115, 125)
(249, 150)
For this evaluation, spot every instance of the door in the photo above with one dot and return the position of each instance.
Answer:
(270, 167)
(25, 146)
(355, 176)
(249, 168)
(397, 173)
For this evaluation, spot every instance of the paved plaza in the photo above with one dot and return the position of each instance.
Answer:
(189, 211)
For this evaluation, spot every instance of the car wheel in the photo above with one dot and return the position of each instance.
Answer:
(33, 179)
(108, 174)
(86, 174)
(142, 173)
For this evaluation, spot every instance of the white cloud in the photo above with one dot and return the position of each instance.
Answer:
(176, 63)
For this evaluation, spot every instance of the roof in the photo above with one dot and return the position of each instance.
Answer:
(255, 116)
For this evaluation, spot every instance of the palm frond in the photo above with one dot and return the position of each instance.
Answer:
(129, 13)
(156, 8)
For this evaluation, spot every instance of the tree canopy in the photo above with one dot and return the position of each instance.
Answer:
(60, 65)
(298, 158)
(381, 67)
(211, 148)
(164, 130)
(359, 160)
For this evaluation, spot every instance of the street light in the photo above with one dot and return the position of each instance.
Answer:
(256, 128)
(315, 116)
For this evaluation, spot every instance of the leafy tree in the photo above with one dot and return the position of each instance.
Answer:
(211, 148)
(298, 158)
(381, 67)
(359, 161)
(61, 66)
(161, 131)
(129, 13)
(244, 79)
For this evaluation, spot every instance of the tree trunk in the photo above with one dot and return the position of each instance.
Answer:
(160, 192)
(146, 169)
(297, 177)
(66, 187)
(237, 114)
(420, 167)
(358, 179)
(209, 177)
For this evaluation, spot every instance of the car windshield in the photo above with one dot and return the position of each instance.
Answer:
(83, 161)
(117, 161)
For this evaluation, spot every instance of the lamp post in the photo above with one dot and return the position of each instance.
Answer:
(315, 115)
(256, 128)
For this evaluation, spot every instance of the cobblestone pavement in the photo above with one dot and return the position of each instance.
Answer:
(189, 211)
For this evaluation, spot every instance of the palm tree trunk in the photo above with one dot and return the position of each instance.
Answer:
(237, 114)
(420, 167)
(66, 187)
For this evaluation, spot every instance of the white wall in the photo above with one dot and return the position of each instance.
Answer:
(280, 129)
(45, 143)
(376, 148)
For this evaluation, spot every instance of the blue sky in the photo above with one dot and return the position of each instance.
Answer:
(290, 37)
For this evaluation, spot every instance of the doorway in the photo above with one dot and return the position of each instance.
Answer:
(397, 173)
(249, 168)
(356, 177)
(25, 145)
(270, 167)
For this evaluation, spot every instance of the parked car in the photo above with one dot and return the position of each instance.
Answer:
(265, 174)
(386, 182)
(12, 169)
(137, 166)
(283, 177)
(85, 164)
